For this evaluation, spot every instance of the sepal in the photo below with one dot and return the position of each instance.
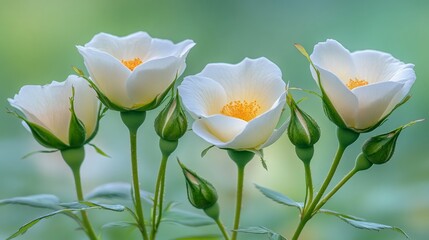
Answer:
(41, 134)
(77, 132)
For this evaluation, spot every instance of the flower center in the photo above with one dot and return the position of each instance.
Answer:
(133, 63)
(354, 83)
(241, 109)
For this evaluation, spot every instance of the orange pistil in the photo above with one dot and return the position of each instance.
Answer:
(241, 109)
(354, 83)
(133, 63)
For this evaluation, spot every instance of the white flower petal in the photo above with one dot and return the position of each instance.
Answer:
(251, 79)
(373, 101)
(277, 133)
(259, 130)
(109, 74)
(151, 79)
(374, 66)
(47, 106)
(122, 48)
(218, 129)
(343, 100)
(202, 96)
(85, 103)
(333, 57)
(406, 76)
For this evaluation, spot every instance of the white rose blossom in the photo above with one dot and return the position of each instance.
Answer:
(60, 114)
(236, 106)
(133, 72)
(364, 87)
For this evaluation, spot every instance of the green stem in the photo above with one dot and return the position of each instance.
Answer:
(345, 138)
(308, 213)
(161, 201)
(328, 179)
(240, 178)
(159, 190)
(241, 158)
(136, 187)
(222, 228)
(86, 223)
(335, 189)
(309, 184)
(299, 228)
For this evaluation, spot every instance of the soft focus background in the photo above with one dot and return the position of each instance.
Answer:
(37, 45)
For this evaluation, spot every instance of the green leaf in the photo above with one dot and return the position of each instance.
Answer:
(39, 201)
(200, 237)
(278, 197)
(204, 152)
(121, 224)
(262, 230)
(98, 150)
(86, 204)
(362, 223)
(117, 190)
(30, 224)
(186, 218)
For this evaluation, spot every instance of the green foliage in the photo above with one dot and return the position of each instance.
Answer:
(117, 191)
(48, 201)
(362, 223)
(69, 209)
(278, 197)
(200, 237)
(186, 218)
(263, 231)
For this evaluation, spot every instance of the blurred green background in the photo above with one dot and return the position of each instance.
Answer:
(37, 45)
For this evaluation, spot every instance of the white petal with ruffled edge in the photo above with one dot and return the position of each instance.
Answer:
(47, 106)
(252, 79)
(151, 79)
(123, 48)
(218, 129)
(333, 57)
(109, 74)
(258, 130)
(343, 100)
(373, 100)
(202, 96)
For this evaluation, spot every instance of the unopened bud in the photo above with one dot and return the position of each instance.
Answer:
(201, 193)
(303, 131)
(380, 149)
(171, 123)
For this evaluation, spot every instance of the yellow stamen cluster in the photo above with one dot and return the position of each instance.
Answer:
(241, 109)
(354, 83)
(133, 63)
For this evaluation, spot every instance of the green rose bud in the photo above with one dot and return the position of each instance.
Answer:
(303, 131)
(171, 123)
(380, 149)
(201, 194)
